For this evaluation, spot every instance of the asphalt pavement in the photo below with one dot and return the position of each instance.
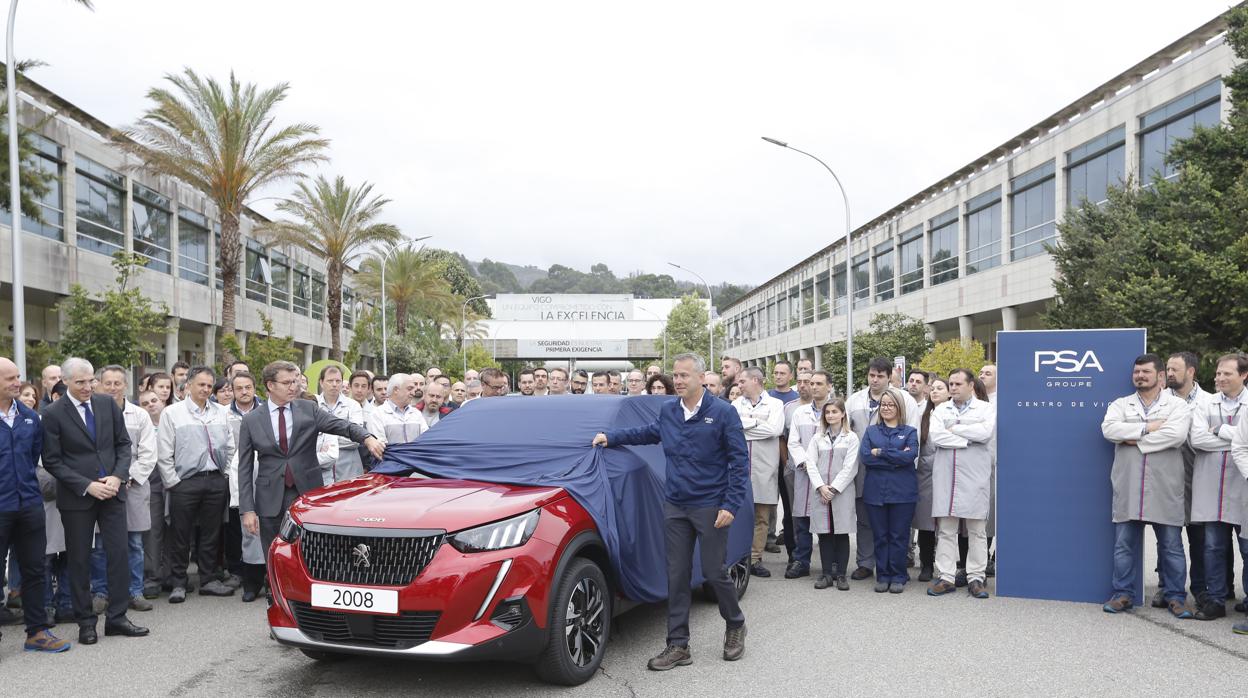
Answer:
(801, 640)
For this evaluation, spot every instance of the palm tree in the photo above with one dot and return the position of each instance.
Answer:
(336, 222)
(223, 141)
(414, 284)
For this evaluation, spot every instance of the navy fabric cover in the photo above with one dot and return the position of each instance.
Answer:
(544, 441)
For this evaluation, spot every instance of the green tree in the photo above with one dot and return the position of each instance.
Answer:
(34, 182)
(950, 354)
(687, 331)
(415, 288)
(496, 277)
(653, 286)
(113, 327)
(454, 270)
(263, 348)
(1171, 257)
(890, 335)
(478, 358)
(336, 222)
(224, 141)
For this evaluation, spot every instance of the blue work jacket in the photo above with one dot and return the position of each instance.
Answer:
(891, 476)
(20, 448)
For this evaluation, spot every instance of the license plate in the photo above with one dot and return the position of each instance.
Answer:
(357, 599)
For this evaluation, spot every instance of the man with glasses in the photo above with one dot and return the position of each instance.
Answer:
(580, 381)
(493, 383)
(558, 382)
(636, 383)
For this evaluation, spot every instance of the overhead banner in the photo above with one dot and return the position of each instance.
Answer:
(571, 348)
(1054, 524)
(579, 307)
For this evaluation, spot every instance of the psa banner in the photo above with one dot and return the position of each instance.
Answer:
(1054, 525)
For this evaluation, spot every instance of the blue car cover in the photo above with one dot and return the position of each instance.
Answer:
(545, 441)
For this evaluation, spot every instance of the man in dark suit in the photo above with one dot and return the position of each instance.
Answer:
(87, 449)
(279, 443)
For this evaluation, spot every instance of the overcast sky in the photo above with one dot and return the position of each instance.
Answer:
(578, 132)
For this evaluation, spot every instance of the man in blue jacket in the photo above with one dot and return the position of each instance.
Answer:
(707, 479)
(21, 505)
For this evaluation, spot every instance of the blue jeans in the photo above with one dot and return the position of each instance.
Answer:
(1217, 538)
(1128, 543)
(57, 597)
(99, 584)
(803, 543)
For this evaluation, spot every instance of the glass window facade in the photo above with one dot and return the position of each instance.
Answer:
(823, 306)
(883, 257)
(152, 223)
(1095, 166)
(983, 231)
(1161, 127)
(193, 247)
(51, 206)
(348, 308)
(1033, 210)
(862, 280)
(795, 307)
(943, 236)
(280, 290)
(318, 295)
(101, 206)
(301, 290)
(257, 269)
(910, 260)
(840, 289)
(808, 302)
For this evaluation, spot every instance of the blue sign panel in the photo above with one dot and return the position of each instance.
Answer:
(1054, 523)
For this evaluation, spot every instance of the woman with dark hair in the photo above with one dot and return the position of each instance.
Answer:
(891, 488)
(222, 392)
(30, 395)
(660, 384)
(162, 385)
(924, 523)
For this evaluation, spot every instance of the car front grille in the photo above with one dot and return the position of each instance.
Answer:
(403, 631)
(389, 561)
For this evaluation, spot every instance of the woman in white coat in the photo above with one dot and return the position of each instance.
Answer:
(924, 522)
(831, 464)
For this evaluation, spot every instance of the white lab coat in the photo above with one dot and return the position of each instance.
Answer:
(1148, 477)
(1219, 492)
(832, 460)
(142, 464)
(803, 425)
(763, 422)
(348, 463)
(393, 426)
(962, 468)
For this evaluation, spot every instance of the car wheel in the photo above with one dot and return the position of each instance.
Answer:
(580, 623)
(739, 573)
(323, 656)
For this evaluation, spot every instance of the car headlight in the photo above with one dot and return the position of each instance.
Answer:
(289, 530)
(507, 533)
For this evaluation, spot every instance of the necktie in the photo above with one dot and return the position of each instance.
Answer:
(90, 422)
(283, 444)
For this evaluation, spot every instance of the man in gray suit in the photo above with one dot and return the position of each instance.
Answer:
(279, 443)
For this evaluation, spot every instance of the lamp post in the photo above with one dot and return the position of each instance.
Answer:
(656, 317)
(385, 259)
(710, 309)
(463, 326)
(849, 270)
(15, 201)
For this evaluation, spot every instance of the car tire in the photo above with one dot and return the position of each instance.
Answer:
(739, 573)
(323, 656)
(579, 625)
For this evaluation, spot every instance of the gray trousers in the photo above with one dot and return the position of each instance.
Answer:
(683, 528)
(865, 554)
(155, 542)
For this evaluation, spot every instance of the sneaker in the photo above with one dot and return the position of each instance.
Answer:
(1240, 628)
(758, 570)
(215, 588)
(881, 587)
(1159, 599)
(925, 573)
(977, 589)
(151, 590)
(99, 603)
(896, 588)
(940, 588)
(1179, 609)
(44, 641)
(138, 603)
(959, 579)
(842, 583)
(861, 573)
(734, 643)
(824, 581)
(670, 658)
(1210, 611)
(796, 569)
(233, 581)
(178, 595)
(1118, 604)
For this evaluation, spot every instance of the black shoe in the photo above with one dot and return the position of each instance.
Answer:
(249, 595)
(758, 570)
(797, 569)
(991, 569)
(1210, 611)
(772, 548)
(8, 617)
(126, 628)
(1239, 607)
(861, 573)
(1159, 599)
(959, 579)
(925, 573)
(87, 636)
(64, 616)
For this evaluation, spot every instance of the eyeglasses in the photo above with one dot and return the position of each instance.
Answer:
(286, 384)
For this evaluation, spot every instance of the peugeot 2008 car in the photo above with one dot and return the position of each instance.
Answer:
(499, 534)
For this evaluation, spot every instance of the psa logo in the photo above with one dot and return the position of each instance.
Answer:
(1068, 361)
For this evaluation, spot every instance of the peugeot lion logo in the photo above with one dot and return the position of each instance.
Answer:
(360, 553)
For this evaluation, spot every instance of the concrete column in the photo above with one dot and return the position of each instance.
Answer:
(210, 345)
(172, 326)
(322, 353)
(966, 328)
(241, 336)
(1009, 318)
(307, 355)
(817, 356)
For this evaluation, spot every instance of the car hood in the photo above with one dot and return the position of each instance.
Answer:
(382, 501)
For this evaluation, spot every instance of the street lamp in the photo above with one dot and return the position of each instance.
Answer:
(463, 326)
(710, 308)
(15, 202)
(849, 270)
(385, 259)
(656, 317)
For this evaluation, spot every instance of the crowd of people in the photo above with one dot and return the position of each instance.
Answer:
(105, 502)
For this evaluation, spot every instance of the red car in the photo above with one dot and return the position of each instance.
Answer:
(455, 569)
